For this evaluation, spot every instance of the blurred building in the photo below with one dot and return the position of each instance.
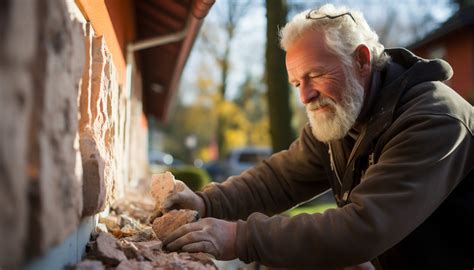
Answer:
(453, 41)
(78, 79)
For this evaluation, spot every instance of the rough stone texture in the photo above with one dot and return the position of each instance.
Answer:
(172, 220)
(40, 67)
(93, 190)
(53, 139)
(17, 48)
(88, 265)
(53, 151)
(141, 249)
(106, 129)
(135, 265)
(107, 250)
(56, 129)
(162, 186)
(98, 103)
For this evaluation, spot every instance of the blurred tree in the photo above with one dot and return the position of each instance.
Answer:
(251, 100)
(232, 11)
(200, 118)
(278, 90)
(196, 119)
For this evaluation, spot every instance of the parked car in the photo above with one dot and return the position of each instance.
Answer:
(241, 159)
(236, 161)
(217, 170)
(160, 161)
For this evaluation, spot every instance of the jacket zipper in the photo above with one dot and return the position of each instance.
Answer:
(333, 165)
(356, 145)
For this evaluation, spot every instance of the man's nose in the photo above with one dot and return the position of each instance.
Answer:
(307, 93)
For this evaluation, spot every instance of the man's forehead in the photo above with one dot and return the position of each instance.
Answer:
(312, 58)
(309, 47)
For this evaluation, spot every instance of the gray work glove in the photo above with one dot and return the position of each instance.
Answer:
(209, 235)
(184, 198)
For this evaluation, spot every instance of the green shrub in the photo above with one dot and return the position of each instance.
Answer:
(195, 178)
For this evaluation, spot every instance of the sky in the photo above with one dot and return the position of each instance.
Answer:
(248, 47)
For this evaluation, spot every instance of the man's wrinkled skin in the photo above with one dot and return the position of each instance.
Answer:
(210, 235)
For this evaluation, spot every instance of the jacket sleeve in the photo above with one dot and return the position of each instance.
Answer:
(277, 184)
(425, 158)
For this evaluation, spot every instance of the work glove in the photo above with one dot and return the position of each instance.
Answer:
(184, 198)
(209, 235)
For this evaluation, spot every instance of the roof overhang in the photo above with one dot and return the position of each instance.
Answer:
(161, 66)
(159, 33)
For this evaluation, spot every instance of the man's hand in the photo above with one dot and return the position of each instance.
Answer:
(184, 198)
(209, 235)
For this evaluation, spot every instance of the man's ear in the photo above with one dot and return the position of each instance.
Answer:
(362, 59)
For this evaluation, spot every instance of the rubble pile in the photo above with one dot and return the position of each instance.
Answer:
(108, 252)
(129, 236)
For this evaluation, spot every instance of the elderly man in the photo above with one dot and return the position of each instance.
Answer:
(392, 141)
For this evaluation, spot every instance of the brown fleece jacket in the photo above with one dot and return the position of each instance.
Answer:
(423, 153)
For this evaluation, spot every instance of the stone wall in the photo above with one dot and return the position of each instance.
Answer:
(101, 126)
(63, 119)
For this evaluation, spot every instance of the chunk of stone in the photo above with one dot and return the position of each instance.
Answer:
(182, 260)
(107, 250)
(87, 265)
(154, 245)
(111, 222)
(129, 248)
(146, 234)
(172, 220)
(135, 265)
(162, 186)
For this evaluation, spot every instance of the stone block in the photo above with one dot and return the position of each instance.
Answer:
(162, 186)
(93, 189)
(15, 110)
(55, 192)
(107, 250)
(99, 122)
(169, 222)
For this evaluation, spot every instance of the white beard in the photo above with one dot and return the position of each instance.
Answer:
(335, 123)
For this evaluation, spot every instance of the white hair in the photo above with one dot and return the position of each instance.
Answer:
(342, 34)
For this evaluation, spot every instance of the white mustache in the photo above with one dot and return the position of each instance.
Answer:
(320, 102)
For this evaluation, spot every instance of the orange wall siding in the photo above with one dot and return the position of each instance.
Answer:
(459, 52)
(114, 20)
(460, 55)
